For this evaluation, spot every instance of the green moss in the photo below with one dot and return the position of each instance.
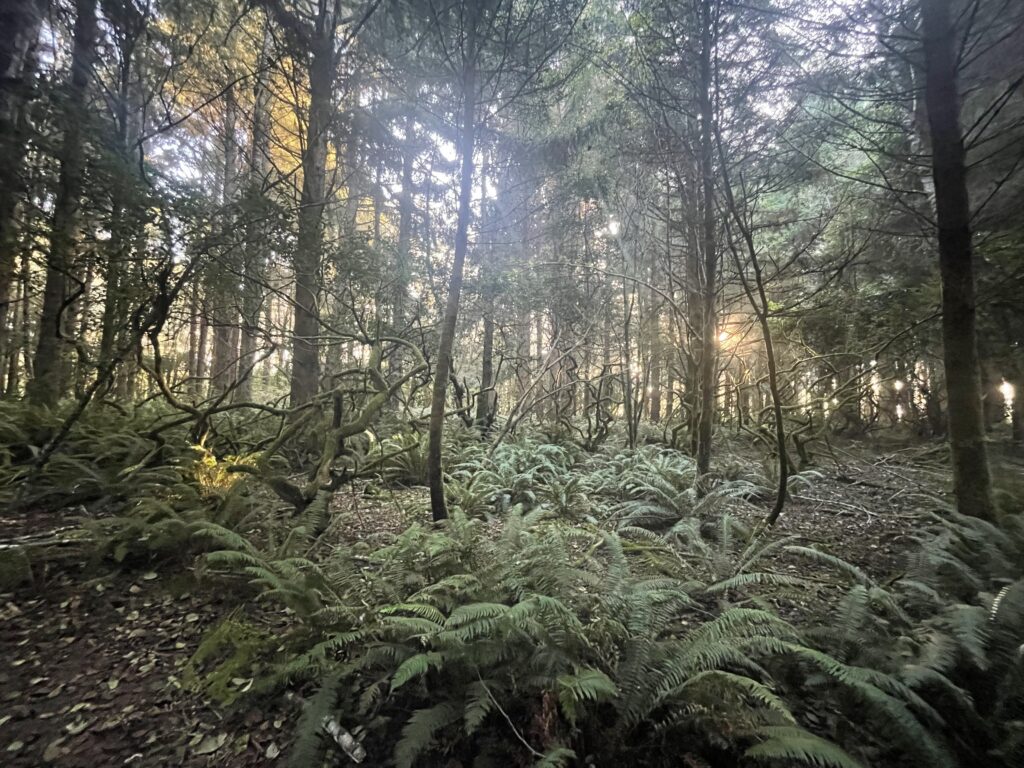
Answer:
(227, 660)
(15, 569)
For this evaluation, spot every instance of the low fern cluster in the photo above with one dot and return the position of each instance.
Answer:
(147, 488)
(578, 608)
(545, 642)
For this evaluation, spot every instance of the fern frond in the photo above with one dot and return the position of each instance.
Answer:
(415, 666)
(838, 563)
(420, 732)
(587, 685)
(556, 757)
(308, 744)
(796, 746)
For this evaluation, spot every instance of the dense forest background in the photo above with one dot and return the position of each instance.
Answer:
(578, 382)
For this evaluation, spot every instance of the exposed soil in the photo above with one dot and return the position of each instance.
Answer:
(91, 676)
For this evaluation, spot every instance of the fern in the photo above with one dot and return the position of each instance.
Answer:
(627, 642)
(556, 757)
(848, 569)
(587, 685)
(308, 746)
(421, 730)
(796, 746)
(415, 666)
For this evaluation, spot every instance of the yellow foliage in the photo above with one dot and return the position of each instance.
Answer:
(212, 475)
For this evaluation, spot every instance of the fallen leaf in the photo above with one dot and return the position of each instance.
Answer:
(14, 746)
(210, 744)
(53, 750)
(273, 751)
(76, 727)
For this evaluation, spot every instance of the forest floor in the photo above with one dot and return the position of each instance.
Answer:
(93, 659)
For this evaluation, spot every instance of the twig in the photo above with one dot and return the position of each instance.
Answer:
(508, 719)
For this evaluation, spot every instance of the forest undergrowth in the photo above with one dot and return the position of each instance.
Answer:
(578, 608)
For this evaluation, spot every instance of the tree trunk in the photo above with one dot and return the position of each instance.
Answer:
(486, 396)
(255, 246)
(224, 280)
(443, 365)
(24, 350)
(193, 340)
(305, 378)
(486, 399)
(125, 218)
(654, 337)
(203, 350)
(972, 481)
(20, 20)
(709, 250)
(404, 266)
(48, 382)
(1017, 409)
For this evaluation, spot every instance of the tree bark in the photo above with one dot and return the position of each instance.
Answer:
(435, 472)
(1017, 410)
(709, 250)
(486, 396)
(305, 379)
(20, 20)
(654, 335)
(972, 480)
(224, 278)
(405, 211)
(48, 382)
(486, 399)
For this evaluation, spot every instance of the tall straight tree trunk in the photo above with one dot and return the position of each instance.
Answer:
(124, 216)
(305, 377)
(20, 21)
(224, 279)
(203, 350)
(654, 333)
(48, 381)
(255, 248)
(405, 210)
(19, 331)
(708, 363)
(486, 399)
(691, 372)
(972, 480)
(486, 396)
(193, 340)
(438, 396)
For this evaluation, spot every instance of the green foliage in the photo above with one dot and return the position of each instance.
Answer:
(400, 459)
(937, 635)
(457, 639)
(308, 747)
(227, 662)
(795, 745)
(580, 604)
